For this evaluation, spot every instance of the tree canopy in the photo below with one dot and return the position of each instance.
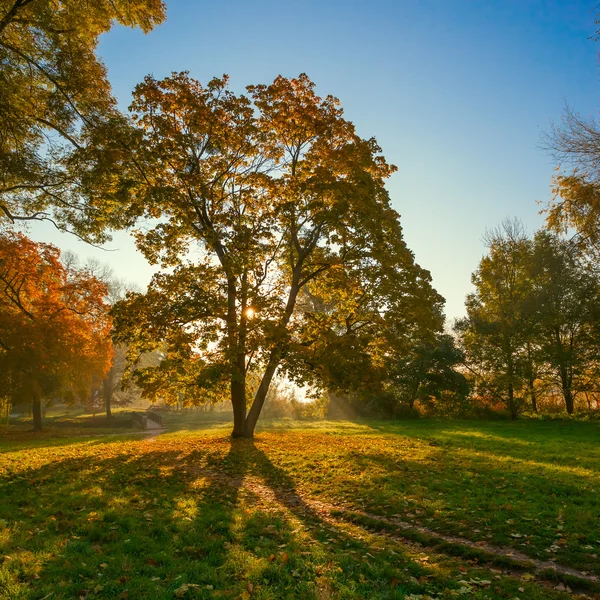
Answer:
(531, 323)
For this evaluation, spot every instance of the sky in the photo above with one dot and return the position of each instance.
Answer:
(458, 93)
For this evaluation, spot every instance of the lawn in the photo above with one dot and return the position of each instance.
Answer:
(416, 510)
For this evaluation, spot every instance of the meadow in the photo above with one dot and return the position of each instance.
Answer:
(410, 509)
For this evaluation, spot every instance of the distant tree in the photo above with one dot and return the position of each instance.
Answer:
(566, 313)
(429, 373)
(496, 328)
(255, 199)
(53, 325)
(61, 135)
(117, 388)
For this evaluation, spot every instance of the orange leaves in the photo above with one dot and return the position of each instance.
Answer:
(53, 323)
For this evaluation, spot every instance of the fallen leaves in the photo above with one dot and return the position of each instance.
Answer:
(184, 588)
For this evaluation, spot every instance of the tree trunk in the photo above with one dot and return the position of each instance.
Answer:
(36, 409)
(532, 395)
(237, 339)
(238, 397)
(261, 394)
(107, 387)
(512, 407)
(511, 403)
(276, 355)
(566, 390)
(569, 401)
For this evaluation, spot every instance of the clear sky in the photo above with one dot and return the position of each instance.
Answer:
(457, 92)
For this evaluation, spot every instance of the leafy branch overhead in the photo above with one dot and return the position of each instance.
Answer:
(62, 138)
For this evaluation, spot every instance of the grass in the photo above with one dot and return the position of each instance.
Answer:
(190, 515)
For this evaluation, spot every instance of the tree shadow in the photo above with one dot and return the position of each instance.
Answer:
(202, 519)
(135, 522)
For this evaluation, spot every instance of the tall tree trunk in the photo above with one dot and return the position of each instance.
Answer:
(261, 393)
(238, 397)
(532, 394)
(276, 355)
(531, 381)
(107, 392)
(569, 400)
(511, 403)
(565, 381)
(512, 407)
(36, 409)
(238, 344)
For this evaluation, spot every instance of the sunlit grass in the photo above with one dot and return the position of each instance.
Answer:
(124, 517)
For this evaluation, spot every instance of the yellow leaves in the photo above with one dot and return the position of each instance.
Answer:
(52, 84)
(183, 589)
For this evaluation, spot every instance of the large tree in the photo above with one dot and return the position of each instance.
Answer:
(61, 135)
(53, 325)
(251, 203)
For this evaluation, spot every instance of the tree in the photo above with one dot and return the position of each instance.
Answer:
(116, 387)
(61, 135)
(251, 201)
(428, 373)
(354, 334)
(566, 313)
(53, 325)
(576, 205)
(496, 329)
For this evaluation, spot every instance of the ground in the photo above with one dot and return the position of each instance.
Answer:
(415, 510)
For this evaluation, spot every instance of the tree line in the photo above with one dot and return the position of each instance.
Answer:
(532, 324)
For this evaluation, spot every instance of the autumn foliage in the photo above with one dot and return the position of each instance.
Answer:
(279, 246)
(54, 340)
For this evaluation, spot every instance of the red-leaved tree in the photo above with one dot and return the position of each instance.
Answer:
(54, 325)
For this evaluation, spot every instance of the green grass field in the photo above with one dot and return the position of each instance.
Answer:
(415, 510)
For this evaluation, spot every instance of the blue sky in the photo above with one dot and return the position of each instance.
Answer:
(458, 94)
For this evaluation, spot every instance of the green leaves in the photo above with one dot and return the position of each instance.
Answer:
(531, 322)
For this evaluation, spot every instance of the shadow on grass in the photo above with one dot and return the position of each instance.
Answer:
(147, 520)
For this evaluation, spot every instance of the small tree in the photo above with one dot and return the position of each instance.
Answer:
(53, 325)
(496, 329)
(428, 374)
